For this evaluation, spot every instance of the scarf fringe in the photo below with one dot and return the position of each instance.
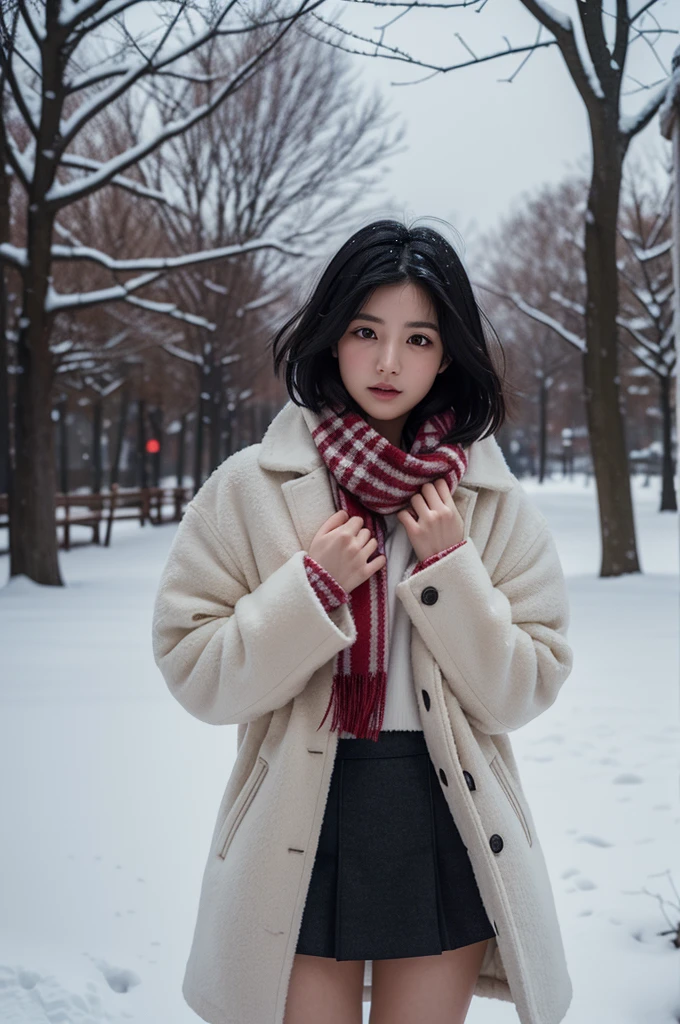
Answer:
(358, 704)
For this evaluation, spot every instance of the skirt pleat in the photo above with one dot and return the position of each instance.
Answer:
(391, 876)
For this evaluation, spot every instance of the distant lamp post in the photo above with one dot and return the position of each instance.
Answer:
(153, 448)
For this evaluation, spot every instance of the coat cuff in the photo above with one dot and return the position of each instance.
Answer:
(435, 558)
(327, 589)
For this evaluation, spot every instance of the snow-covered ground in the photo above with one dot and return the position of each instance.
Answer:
(109, 788)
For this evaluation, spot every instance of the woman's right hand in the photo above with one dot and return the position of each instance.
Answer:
(343, 546)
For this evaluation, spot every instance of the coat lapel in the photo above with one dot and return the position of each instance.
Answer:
(288, 447)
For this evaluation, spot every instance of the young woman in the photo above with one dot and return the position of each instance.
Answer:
(372, 598)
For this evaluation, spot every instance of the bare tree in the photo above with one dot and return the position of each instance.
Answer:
(645, 317)
(528, 263)
(597, 71)
(540, 273)
(55, 82)
(294, 156)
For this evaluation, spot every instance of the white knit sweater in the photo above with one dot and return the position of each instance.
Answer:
(401, 708)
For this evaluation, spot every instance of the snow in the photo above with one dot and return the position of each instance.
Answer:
(631, 124)
(111, 788)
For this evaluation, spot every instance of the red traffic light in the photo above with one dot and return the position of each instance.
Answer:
(153, 446)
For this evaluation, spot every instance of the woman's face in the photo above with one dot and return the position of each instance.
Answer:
(393, 340)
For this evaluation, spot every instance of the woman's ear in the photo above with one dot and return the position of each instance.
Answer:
(445, 362)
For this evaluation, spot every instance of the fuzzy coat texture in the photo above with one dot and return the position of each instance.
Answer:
(241, 638)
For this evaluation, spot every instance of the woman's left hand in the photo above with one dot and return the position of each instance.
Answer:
(439, 524)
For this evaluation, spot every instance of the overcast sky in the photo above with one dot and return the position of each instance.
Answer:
(474, 143)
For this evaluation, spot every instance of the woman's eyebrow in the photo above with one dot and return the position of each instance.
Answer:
(409, 323)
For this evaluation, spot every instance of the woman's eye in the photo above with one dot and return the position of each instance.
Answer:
(423, 338)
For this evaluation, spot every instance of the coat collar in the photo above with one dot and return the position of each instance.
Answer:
(288, 446)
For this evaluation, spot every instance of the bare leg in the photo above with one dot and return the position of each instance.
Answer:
(325, 989)
(436, 989)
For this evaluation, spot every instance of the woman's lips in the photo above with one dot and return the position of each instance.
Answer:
(382, 393)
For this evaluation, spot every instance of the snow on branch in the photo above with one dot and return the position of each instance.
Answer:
(642, 255)
(537, 314)
(84, 163)
(631, 124)
(580, 65)
(56, 302)
(259, 303)
(549, 16)
(160, 263)
(60, 194)
(180, 353)
(171, 309)
(13, 256)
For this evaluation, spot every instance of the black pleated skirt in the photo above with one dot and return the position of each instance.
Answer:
(392, 876)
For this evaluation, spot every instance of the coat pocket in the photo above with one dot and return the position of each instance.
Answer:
(241, 805)
(498, 768)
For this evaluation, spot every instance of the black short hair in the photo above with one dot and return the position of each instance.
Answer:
(389, 252)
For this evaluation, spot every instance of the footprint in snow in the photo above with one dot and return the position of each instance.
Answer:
(627, 779)
(33, 998)
(593, 840)
(569, 873)
(119, 979)
(584, 883)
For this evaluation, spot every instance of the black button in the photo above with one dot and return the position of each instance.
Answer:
(429, 595)
(426, 699)
(496, 843)
(442, 776)
(470, 781)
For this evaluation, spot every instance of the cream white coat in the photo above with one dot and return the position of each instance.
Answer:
(242, 639)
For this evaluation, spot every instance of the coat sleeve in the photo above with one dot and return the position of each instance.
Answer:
(228, 654)
(502, 648)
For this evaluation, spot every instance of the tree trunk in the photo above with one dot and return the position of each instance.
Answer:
(5, 468)
(142, 480)
(542, 427)
(97, 410)
(198, 439)
(600, 360)
(32, 504)
(181, 443)
(5, 457)
(63, 445)
(668, 496)
(216, 400)
(120, 437)
(156, 420)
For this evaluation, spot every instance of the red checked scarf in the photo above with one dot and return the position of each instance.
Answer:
(371, 478)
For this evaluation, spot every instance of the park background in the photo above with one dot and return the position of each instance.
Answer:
(154, 232)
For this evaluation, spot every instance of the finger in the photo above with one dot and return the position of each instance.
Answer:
(332, 521)
(419, 504)
(356, 523)
(444, 491)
